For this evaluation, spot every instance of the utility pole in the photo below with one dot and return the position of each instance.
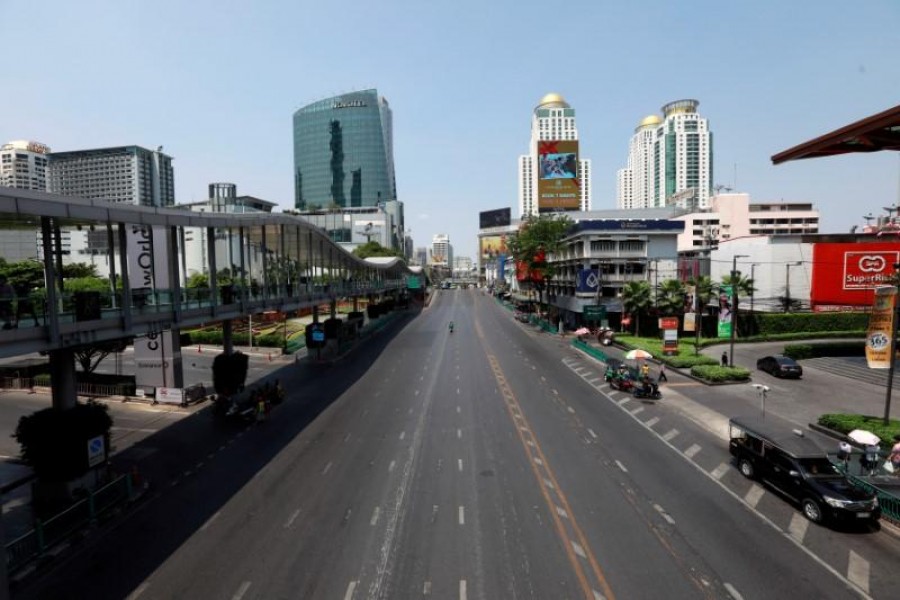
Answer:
(787, 284)
(753, 284)
(734, 307)
(893, 347)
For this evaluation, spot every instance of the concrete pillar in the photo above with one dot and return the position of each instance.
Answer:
(62, 378)
(333, 306)
(227, 340)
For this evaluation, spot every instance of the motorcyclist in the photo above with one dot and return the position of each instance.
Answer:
(451, 326)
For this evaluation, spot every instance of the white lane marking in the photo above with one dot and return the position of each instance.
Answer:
(578, 549)
(555, 393)
(392, 465)
(598, 595)
(530, 443)
(693, 450)
(459, 464)
(137, 592)
(591, 431)
(458, 410)
(463, 595)
(570, 409)
(753, 496)
(621, 466)
(374, 520)
(637, 410)
(462, 515)
(732, 591)
(417, 393)
(662, 512)
(350, 589)
(346, 438)
(457, 389)
(523, 428)
(538, 461)
(402, 435)
(543, 378)
(241, 591)
(292, 518)
(651, 422)
(459, 434)
(549, 483)
(210, 520)
(669, 435)
(720, 470)
(326, 469)
(561, 512)
(434, 511)
(798, 527)
(594, 380)
(426, 589)
(858, 571)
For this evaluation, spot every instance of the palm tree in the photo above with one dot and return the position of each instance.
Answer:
(704, 291)
(636, 299)
(670, 297)
(741, 288)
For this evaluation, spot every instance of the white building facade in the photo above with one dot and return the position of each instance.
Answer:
(553, 123)
(441, 251)
(670, 161)
(23, 165)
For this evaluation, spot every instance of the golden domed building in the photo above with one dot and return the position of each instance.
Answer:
(552, 176)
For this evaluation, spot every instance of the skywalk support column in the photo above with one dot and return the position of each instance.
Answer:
(64, 388)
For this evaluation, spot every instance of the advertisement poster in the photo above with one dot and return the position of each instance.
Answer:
(845, 275)
(492, 246)
(726, 302)
(881, 327)
(558, 185)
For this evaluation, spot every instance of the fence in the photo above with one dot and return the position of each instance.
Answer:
(57, 528)
(82, 389)
(588, 349)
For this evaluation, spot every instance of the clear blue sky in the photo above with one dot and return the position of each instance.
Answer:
(216, 83)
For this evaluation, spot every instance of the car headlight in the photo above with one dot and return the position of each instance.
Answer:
(836, 502)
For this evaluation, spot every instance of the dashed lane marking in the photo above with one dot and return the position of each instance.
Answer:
(669, 435)
(578, 549)
(426, 588)
(562, 512)
(858, 571)
(291, 519)
(459, 464)
(591, 431)
(798, 527)
(459, 434)
(241, 591)
(732, 591)
(463, 594)
(402, 435)
(392, 465)
(462, 515)
(753, 496)
(637, 410)
(326, 469)
(621, 466)
(209, 521)
(720, 470)
(351, 587)
(375, 513)
(662, 512)
(692, 451)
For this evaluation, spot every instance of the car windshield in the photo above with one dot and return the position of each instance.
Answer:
(785, 361)
(818, 467)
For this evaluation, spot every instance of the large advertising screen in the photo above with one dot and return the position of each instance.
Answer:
(491, 246)
(845, 275)
(500, 217)
(558, 185)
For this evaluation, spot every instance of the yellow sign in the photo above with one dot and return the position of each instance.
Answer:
(881, 328)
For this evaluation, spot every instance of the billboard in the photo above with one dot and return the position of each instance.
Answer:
(558, 185)
(491, 247)
(726, 301)
(846, 274)
(500, 217)
(881, 324)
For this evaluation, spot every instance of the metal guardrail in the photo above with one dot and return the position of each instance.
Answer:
(856, 473)
(588, 349)
(57, 528)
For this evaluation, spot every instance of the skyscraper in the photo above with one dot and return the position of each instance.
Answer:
(441, 251)
(23, 165)
(551, 176)
(343, 152)
(126, 174)
(669, 160)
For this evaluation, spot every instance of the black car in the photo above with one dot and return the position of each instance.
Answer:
(780, 366)
(795, 466)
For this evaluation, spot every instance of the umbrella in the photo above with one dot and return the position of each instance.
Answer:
(582, 331)
(866, 438)
(637, 354)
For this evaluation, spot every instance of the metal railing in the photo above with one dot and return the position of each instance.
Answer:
(49, 532)
(588, 349)
(872, 478)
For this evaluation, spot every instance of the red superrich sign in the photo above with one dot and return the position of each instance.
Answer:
(847, 274)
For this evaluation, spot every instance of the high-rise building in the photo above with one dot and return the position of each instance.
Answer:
(551, 176)
(441, 251)
(23, 164)
(126, 174)
(670, 161)
(343, 152)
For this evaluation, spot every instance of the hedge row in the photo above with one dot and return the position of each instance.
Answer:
(800, 351)
(271, 340)
(718, 374)
(777, 323)
(846, 423)
(688, 360)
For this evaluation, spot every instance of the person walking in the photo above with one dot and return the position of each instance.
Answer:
(894, 457)
(662, 373)
(725, 358)
(844, 452)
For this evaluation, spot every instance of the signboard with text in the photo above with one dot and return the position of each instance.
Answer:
(846, 274)
(558, 184)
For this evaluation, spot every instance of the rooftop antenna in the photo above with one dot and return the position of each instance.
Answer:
(869, 218)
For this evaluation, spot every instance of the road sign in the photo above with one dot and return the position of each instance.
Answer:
(595, 313)
(96, 447)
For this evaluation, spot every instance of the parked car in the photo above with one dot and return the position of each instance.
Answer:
(783, 458)
(521, 316)
(780, 366)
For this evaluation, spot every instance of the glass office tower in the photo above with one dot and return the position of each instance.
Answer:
(343, 152)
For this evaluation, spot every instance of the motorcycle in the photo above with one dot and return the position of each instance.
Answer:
(649, 391)
(623, 384)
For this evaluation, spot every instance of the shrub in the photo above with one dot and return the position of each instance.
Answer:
(799, 351)
(54, 441)
(716, 373)
(689, 360)
(775, 323)
(843, 423)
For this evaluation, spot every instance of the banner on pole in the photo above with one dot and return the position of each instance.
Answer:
(881, 328)
(726, 302)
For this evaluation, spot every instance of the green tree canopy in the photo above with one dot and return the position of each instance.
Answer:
(532, 245)
(373, 248)
(636, 300)
(670, 297)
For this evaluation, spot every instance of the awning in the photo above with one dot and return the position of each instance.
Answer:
(872, 134)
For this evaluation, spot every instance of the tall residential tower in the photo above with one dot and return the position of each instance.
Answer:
(669, 161)
(343, 153)
(551, 176)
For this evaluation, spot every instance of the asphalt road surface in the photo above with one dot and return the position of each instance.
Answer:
(487, 463)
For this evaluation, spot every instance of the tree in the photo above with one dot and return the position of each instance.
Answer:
(637, 299)
(89, 357)
(704, 291)
(197, 280)
(532, 246)
(373, 248)
(78, 270)
(741, 288)
(671, 297)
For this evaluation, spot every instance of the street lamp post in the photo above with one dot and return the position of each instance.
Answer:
(787, 284)
(753, 284)
(734, 308)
